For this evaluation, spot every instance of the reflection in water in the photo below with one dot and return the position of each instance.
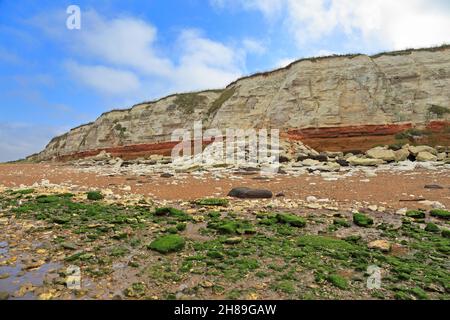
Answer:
(17, 277)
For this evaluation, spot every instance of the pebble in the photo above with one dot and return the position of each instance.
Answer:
(4, 295)
(382, 245)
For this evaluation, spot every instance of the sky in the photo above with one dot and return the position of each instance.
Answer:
(53, 78)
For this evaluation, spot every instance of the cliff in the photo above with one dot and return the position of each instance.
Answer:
(335, 103)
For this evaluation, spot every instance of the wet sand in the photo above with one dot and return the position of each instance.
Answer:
(387, 188)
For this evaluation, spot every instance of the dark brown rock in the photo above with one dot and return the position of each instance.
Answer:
(247, 193)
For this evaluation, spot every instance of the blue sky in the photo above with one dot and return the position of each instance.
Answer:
(53, 78)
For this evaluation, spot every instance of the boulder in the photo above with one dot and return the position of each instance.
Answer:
(310, 162)
(334, 154)
(118, 163)
(433, 186)
(320, 157)
(284, 158)
(167, 175)
(381, 153)
(441, 149)
(342, 162)
(401, 154)
(102, 156)
(329, 167)
(441, 156)
(382, 245)
(425, 156)
(355, 161)
(247, 193)
(415, 150)
(4, 295)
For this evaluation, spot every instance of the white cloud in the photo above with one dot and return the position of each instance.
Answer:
(386, 23)
(284, 62)
(126, 42)
(205, 63)
(122, 56)
(254, 46)
(393, 24)
(104, 79)
(324, 53)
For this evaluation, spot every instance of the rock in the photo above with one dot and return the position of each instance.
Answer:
(334, 154)
(280, 194)
(4, 295)
(247, 193)
(382, 245)
(370, 173)
(402, 211)
(431, 227)
(233, 240)
(118, 163)
(167, 244)
(320, 157)
(373, 207)
(310, 162)
(433, 204)
(342, 162)
(291, 219)
(355, 161)
(167, 175)
(415, 214)
(69, 245)
(329, 167)
(284, 158)
(441, 156)
(348, 155)
(425, 156)
(94, 195)
(381, 153)
(102, 156)
(207, 284)
(126, 188)
(362, 220)
(440, 214)
(401, 154)
(435, 287)
(442, 149)
(313, 206)
(433, 186)
(415, 150)
(311, 199)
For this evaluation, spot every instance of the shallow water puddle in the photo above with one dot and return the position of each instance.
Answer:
(19, 283)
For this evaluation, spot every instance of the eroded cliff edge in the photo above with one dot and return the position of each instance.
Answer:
(331, 103)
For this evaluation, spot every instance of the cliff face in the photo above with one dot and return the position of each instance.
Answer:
(328, 102)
